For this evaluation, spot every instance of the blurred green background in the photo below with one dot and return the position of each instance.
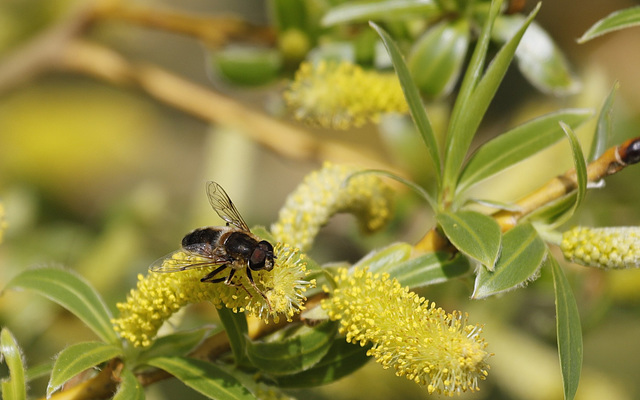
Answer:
(105, 180)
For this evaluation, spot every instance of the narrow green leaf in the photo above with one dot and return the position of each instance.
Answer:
(523, 252)
(204, 377)
(77, 358)
(419, 190)
(383, 258)
(615, 21)
(412, 95)
(71, 292)
(237, 330)
(474, 234)
(14, 387)
(539, 59)
(476, 106)
(604, 130)
(341, 360)
(295, 353)
(429, 269)
(455, 152)
(129, 388)
(569, 331)
(176, 344)
(581, 173)
(436, 59)
(518, 144)
(379, 10)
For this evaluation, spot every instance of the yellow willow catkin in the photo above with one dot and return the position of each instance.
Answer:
(326, 192)
(409, 334)
(159, 295)
(343, 95)
(615, 247)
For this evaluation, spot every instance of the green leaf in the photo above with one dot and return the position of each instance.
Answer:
(615, 21)
(463, 127)
(129, 388)
(341, 360)
(569, 331)
(204, 377)
(474, 234)
(539, 59)
(552, 211)
(14, 387)
(379, 10)
(381, 259)
(581, 173)
(237, 330)
(436, 59)
(295, 353)
(604, 129)
(412, 95)
(176, 344)
(517, 144)
(77, 358)
(454, 152)
(71, 292)
(429, 269)
(523, 252)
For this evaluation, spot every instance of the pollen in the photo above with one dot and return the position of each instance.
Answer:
(614, 247)
(159, 295)
(329, 191)
(343, 95)
(420, 341)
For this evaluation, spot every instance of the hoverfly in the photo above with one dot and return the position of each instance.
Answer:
(232, 246)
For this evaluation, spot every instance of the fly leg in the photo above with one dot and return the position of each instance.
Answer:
(210, 275)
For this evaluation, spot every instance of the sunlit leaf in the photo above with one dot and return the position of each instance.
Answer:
(518, 144)
(474, 234)
(383, 258)
(581, 173)
(569, 331)
(604, 129)
(412, 95)
(379, 10)
(341, 360)
(295, 353)
(175, 344)
(235, 324)
(436, 59)
(429, 269)
(539, 59)
(71, 292)
(522, 254)
(77, 358)
(129, 388)
(14, 387)
(204, 377)
(615, 21)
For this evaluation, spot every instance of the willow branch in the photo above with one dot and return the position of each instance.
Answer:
(285, 139)
(614, 160)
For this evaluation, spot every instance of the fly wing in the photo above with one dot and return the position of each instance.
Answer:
(185, 259)
(223, 205)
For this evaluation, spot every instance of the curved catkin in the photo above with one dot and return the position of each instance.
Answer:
(329, 191)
